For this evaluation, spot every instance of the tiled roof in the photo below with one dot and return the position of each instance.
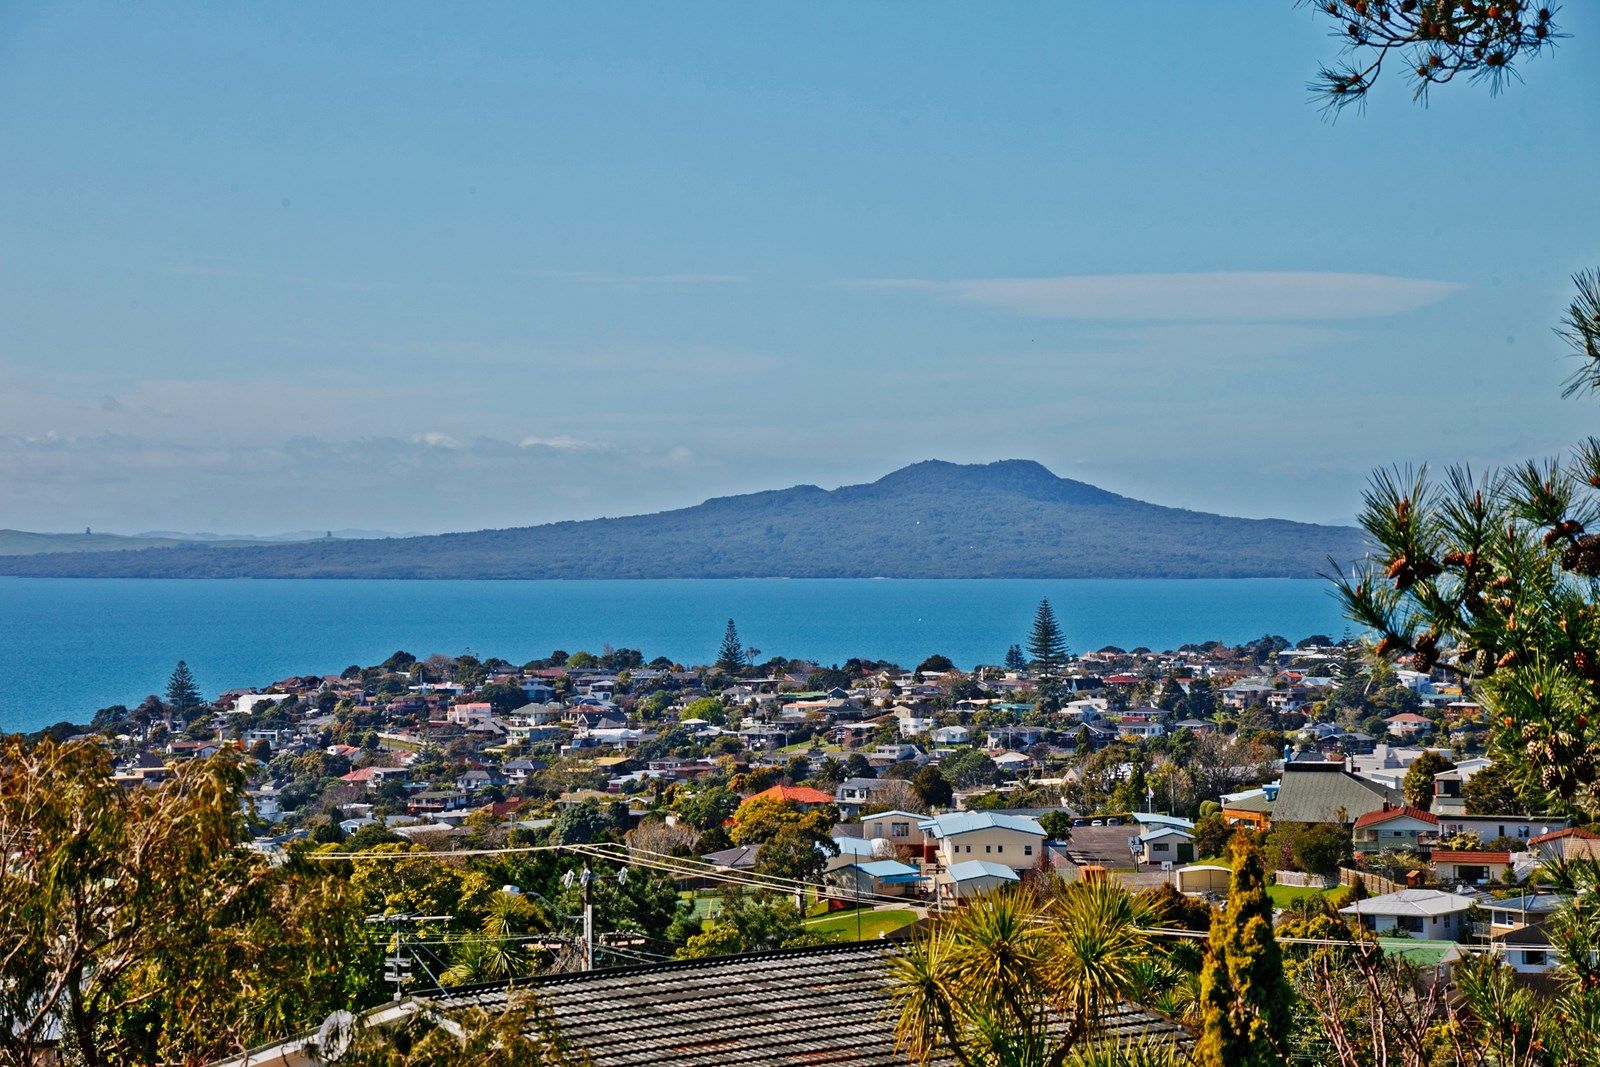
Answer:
(1574, 832)
(801, 1007)
(966, 822)
(1447, 855)
(796, 794)
(1406, 811)
(1316, 791)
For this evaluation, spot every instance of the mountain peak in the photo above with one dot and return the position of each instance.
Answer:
(1023, 477)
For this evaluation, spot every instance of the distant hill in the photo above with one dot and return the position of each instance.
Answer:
(24, 543)
(1011, 519)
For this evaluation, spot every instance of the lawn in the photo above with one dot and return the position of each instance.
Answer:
(841, 925)
(1284, 895)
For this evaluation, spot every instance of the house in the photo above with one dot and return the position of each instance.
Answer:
(1013, 762)
(1408, 724)
(434, 801)
(897, 828)
(869, 878)
(1251, 807)
(1569, 844)
(971, 877)
(1013, 737)
(1163, 844)
(951, 735)
(1322, 791)
(1513, 913)
(1393, 827)
(1527, 949)
(375, 777)
(470, 714)
(1426, 913)
(1476, 868)
(1012, 840)
(853, 794)
(1490, 828)
(803, 797)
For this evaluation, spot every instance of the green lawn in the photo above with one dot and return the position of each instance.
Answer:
(842, 925)
(1283, 895)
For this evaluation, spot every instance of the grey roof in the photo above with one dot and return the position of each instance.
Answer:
(1411, 902)
(807, 1006)
(1316, 791)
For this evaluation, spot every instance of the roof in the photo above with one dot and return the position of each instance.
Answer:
(1419, 952)
(889, 870)
(1574, 832)
(1452, 855)
(809, 1006)
(964, 872)
(1158, 832)
(966, 822)
(794, 794)
(1317, 790)
(1418, 903)
(1406, 811)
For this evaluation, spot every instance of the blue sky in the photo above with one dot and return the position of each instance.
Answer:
(428, 267)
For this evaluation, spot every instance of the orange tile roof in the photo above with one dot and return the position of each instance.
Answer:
(1573, 831)
(795, 794)
(1386, 813)
(1448, 855)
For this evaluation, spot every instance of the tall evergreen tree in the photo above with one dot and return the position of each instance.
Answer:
(1046, 645)
(731, 657)
(182, 693)
(1245, 1000)
(1015, 661)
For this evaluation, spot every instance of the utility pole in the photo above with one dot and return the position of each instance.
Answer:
(588, 916)
(397, 965)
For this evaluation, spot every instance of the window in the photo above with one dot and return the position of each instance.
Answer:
(999, 848)
(1533, 958)
(988, 848)
(1027, 850)
(900, 829)
(1159, 847)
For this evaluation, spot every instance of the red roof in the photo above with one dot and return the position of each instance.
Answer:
(1447, 855)
(795, 794)
(1557, 835)
(1386, 813)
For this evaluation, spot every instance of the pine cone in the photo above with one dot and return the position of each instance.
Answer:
(1583, 556)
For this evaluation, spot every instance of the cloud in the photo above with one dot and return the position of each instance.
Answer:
(560, 442)
(597, 277)
(434, 439)
(1218, 296)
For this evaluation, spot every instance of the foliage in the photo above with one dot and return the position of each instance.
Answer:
(1418, 784)
(933, 787)
(1493, 578)
(1047, 647)
(749, 923)
(731, 657)
(1436, 40)
(523, 1034)
(1247, 1005)
(138, 926)
(762, 818)
(1315, 848)
(983, 984)
(182, 693)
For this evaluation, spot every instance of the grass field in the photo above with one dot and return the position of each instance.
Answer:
(842, 925)
(1283, 895)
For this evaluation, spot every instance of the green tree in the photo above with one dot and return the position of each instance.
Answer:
(731, 657)
(1493, 579)
(1015, 660)
(1246, 1003)
(1493, 794)
(182, 693)
(139, 929)
(932, 787)
(935, 663)
(1418, 784)
(1047, 646)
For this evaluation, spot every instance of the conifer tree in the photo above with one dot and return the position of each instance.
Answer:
(1046, 645)
(182, 693)
(1015, 661)
(1245, 1000)
(731, 657)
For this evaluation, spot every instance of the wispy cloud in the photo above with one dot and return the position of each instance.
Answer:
(560, 442)
(1218, 296)
(596, 277)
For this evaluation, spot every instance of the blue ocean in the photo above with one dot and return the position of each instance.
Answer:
(71, 646)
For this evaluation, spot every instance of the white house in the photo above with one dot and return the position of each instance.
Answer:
(1013, 840)
(1426, 913)
(973, 877)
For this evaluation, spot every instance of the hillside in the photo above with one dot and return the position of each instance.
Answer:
(1011, 519)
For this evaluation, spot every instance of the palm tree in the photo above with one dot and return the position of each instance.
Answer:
(496, 951)
(1023, 978)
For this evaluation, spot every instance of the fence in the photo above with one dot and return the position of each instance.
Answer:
(1375, 884)
(1312, 881)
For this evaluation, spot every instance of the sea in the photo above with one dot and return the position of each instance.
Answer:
(69, 646)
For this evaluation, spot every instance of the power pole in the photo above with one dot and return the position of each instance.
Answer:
(588, 916)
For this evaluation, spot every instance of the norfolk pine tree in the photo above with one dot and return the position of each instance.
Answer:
(730, 657)
(1245, 1001)
(1048, 648)
(182, 693)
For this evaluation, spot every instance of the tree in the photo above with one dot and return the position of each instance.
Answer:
(1246, 1003)
(988, 984)
(1057, 824)
(749, 923)
(139, 929)
(1491, 578)
(933, 787)
(761, 818)
(182, 694)
(1015, 661)
(1047, 646)
(936, 664)
(1418, 784)
(1435, 41)
(798, 853)
(970, 767)
(731, 656)
(1493, 794)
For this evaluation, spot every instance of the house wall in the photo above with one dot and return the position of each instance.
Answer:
(1017, 850)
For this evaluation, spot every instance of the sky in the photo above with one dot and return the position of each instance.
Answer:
(423, 267)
